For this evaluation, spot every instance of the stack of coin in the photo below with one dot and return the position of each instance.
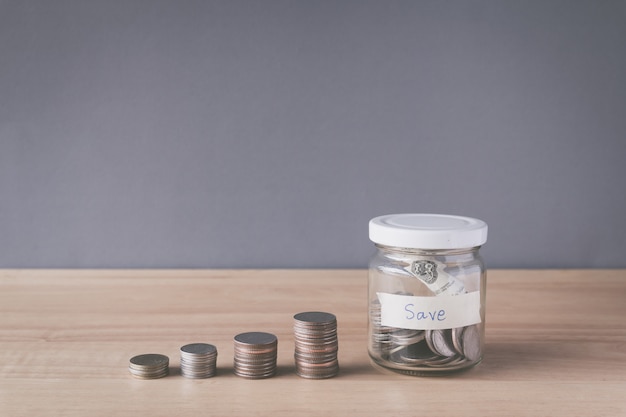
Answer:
(149, 366)
(197, 360)
(380, 335)
(255, 355)
(316, 345)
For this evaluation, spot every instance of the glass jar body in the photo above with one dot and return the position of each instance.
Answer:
(426, 309)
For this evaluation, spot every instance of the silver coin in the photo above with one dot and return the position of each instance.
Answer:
(305, 340)
(315, 359)
(440, 341)
(197, 362)
(195, 374)
(406, 337)
(457, 339)
(199, 349)
(252, 361)
(254, 365)
(254, 368)
(417, 353)
(472, 343)
(152, 375)
(328, 373)
(380, 339)
(255, 375)
(315, 317)
(317, 371)
(256, 339)
(149, 360)
(148, 372)
(317, 349)
(452, 363)
(442, 361)
(257, 353)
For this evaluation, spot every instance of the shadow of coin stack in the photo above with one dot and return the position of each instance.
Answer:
(255, 355)
(316, 345)
(197, 360)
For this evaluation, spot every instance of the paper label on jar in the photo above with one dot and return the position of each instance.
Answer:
(429, 313)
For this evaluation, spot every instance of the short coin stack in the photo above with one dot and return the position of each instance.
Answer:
(149, 366)
(197, 360)
(255, 355)
(316, 345)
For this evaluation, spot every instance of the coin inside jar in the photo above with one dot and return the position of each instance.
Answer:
(471, 343)
(406, 337)
(440, 342)
(417, 353)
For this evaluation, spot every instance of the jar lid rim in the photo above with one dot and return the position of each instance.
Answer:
(428, 231)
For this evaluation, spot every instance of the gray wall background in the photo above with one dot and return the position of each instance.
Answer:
(267, 133)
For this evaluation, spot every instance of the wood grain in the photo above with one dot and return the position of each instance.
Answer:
(556, 345)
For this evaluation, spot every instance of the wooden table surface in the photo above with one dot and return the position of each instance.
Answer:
(555, 345)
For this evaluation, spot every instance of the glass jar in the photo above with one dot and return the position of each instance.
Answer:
(426, 293)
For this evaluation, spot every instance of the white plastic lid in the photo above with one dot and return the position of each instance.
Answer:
(427, 231)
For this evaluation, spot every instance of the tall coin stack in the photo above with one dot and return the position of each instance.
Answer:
(149, 366)
(255, 355)
(316, 345)
(197, 360)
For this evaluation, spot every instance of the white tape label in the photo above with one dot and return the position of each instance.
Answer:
(429, 313)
